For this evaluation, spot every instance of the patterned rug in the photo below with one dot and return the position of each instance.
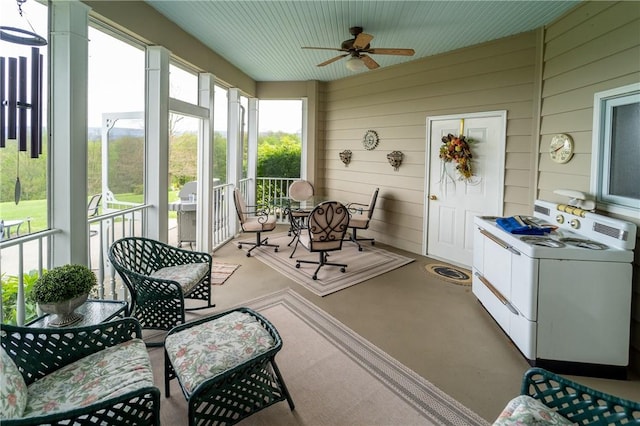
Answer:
(335, 376)
(353, 381)
(450, 273)
(221, 271)
(362, 265)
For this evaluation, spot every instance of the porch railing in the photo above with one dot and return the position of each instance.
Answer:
(273, 191)
(27, 255)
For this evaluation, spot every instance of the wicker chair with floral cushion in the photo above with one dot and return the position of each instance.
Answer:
(549, 399)
(159, 277)
(97, 374)
(225, 365)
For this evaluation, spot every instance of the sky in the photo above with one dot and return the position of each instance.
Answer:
(116, 78)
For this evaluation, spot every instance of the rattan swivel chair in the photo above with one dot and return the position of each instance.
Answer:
(326, 228)
(159, 278)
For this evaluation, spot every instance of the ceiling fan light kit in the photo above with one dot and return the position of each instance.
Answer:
(355, 64)
(357, 48)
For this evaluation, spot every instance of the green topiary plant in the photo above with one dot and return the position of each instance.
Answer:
(63, 283)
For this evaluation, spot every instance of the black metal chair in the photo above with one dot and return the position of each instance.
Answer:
(254, 219)
(361, 217)
(327, 225)
(159, 277)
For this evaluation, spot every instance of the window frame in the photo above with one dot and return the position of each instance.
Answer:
(603, 104)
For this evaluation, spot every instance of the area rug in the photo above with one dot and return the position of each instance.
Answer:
(362, 265)
(335, 376)
(450, 273)
(220, 272)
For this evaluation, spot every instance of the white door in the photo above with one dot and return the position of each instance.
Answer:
(451, 202)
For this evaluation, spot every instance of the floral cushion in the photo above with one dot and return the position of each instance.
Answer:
(208, 349)
(13, 389)
(188, 276)
(525, 410)
(111, 372)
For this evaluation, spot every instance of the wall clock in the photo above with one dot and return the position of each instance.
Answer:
(561, 148)
(370, 140)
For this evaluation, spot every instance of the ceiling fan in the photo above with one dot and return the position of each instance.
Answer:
(357, 48)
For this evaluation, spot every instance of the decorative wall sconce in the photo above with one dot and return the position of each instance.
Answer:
(395, 159)
(345, 156)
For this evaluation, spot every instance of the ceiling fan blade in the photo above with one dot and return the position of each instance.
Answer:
(369, 62)
(332, 60)
(362, 40)
(392, 51)
(327, 48)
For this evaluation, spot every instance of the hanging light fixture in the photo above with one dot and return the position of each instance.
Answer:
(355, 64)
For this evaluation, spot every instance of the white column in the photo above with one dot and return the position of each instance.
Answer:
(234, 144)
(68, 131)
(252, 149)
(156, 179)
(204, 222)
(304, 153)
(234, 148)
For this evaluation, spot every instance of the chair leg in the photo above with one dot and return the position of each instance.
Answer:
(259, 243)
(353, 237)
(322, 262)
(276, 370)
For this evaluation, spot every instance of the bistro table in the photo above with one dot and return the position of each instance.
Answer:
(298, 212)
(94, 311)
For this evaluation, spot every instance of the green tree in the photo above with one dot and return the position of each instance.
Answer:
(183, 166)
(32, 173)
(279, 155)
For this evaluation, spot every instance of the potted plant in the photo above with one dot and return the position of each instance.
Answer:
(61, 290)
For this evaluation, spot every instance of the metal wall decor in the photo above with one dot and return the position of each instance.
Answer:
(395, 159)
(370, 140)
(345, 156)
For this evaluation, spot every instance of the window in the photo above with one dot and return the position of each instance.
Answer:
(115, 120)
(616, 149)
(183, 84)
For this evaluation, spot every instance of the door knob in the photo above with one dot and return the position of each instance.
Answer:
(433, 197)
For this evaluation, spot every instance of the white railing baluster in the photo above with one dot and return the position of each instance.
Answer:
(20, 306)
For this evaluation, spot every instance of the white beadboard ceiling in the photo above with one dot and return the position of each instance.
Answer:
(264, 38)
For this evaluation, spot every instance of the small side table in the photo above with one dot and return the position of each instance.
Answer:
(94, 311)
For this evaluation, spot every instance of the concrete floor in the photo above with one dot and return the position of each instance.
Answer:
(437, 329)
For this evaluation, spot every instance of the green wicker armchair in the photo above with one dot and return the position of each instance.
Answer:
(159, 278)
(547, 398)
(578, 403)
(98, 374)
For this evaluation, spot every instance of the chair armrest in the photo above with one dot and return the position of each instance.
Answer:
(357, 207)
(577, 402)
(260, 209)
(40, 351)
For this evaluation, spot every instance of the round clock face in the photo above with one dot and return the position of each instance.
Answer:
(370, 140)
(561, 148)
